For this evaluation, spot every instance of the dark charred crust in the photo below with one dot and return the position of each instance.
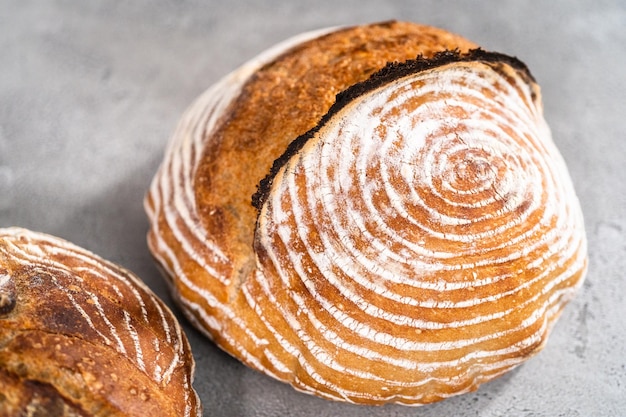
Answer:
(392, 71)
(395, 70)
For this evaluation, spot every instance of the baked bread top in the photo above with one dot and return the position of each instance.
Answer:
(82, 336)
(267, 104)
(409, 242)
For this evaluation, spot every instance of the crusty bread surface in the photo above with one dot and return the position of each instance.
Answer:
(372, 214)
(80, 336)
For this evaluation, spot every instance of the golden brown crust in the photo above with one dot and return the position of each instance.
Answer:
(391, 71)
(29, 398)
(281, 101)
(85, 336)
(421, 240)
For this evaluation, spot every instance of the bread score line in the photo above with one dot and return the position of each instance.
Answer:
(82, 336)
(410, 241)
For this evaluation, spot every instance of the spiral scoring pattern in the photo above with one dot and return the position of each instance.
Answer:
(423, 240)
(431, 215)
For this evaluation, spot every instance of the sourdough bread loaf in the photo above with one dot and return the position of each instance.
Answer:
(80, 336)
(372, 214)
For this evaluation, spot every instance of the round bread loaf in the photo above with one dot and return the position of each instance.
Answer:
(412, 233)
(80, 336)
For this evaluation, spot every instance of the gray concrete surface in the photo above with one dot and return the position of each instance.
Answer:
(90, 92)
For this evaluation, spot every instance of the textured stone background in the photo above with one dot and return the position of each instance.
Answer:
(90, 92)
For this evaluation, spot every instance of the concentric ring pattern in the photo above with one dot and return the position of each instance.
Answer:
(434, 230)
(420, 240)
